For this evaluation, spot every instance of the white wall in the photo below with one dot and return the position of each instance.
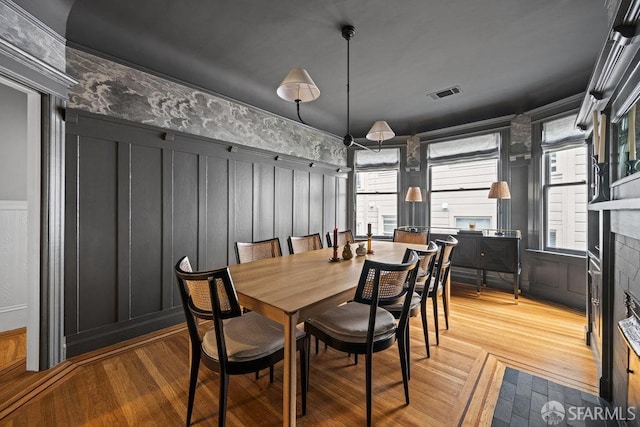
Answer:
(13, 208)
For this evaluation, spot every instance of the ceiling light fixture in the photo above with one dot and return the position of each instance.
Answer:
(298, 87)
(380, 131)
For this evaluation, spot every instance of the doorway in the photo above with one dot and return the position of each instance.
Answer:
(20, 174)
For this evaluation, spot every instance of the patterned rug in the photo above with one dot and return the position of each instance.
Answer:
(528, 400)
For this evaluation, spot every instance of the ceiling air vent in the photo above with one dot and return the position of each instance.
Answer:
(445, 92)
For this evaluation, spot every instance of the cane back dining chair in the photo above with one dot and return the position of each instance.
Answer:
(299, 244)
(439, 282)
(237, 343)
(254, 251)
(418, 304)
(416, 237)
(362, 327)
(343, 237)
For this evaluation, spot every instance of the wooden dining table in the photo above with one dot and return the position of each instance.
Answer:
(293, 288)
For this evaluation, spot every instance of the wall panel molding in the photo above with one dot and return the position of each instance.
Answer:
(144, 200)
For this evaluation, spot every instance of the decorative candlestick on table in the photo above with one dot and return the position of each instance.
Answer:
(335, 245)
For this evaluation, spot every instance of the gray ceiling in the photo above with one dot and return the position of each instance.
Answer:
(507, 56)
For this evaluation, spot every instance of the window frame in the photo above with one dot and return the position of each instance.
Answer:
(502, 214)
(547, 186)
(399, 185)
(541, 169)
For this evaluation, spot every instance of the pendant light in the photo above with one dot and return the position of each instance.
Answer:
(298, 87)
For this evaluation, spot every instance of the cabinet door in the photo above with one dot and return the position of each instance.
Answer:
(499, 254)
(466, 253)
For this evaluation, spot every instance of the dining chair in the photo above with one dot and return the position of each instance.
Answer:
(237, 343)
(439, 282)
(418, 304)
(406, 236)
(343, 237)
(254, 251)
(362, 327)
(298, 244)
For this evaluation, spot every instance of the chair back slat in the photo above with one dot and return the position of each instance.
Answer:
(299, 244)
(254, 251)
(427, 259)
(445, 256)
(380, 280)
(416, 237)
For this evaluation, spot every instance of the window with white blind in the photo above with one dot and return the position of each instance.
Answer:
(461, 172)
(564, 186)
(376, 176)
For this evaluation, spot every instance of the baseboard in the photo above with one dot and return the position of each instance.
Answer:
(13, 317)
(97, 338)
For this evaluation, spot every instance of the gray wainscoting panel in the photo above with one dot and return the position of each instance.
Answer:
(316, 195)
(243, 212)
(283, 208)
(558, 278)
(329, 203)
(217, 214)
(97, 232)
(301, 182)
(145, 207)
(137, 201)
(264, 201)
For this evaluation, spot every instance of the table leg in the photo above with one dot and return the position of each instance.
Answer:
(289, 382)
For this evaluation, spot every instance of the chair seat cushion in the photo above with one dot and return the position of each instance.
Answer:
(349, 323)
(247, 337)
(397, 307)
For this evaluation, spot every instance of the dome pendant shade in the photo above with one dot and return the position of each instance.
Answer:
(380, 131)
(298, 86)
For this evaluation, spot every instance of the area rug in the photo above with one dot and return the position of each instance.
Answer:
(528, 400)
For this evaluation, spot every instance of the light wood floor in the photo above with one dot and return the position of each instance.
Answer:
(144, 381)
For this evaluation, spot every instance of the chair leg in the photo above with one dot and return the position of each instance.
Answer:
(304, 372)
(407, 350)
(368, 368)
(257, 375)
(355, 358)
(271, 374)
(445, 306)
(193, 381)
(425, 327)
(222, 402)
(316, 345)
(434, 301)
(404, 364)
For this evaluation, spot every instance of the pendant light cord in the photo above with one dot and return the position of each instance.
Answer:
(348, 85)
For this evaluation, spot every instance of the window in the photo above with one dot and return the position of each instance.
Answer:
(376, 176)
(461, 173)
(565, 188)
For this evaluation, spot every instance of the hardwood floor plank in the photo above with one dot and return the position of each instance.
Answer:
(144, 381)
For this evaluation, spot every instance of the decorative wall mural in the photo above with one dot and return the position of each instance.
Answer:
(413, 152)
(24, 32)
(520, 135)
(119, 91)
